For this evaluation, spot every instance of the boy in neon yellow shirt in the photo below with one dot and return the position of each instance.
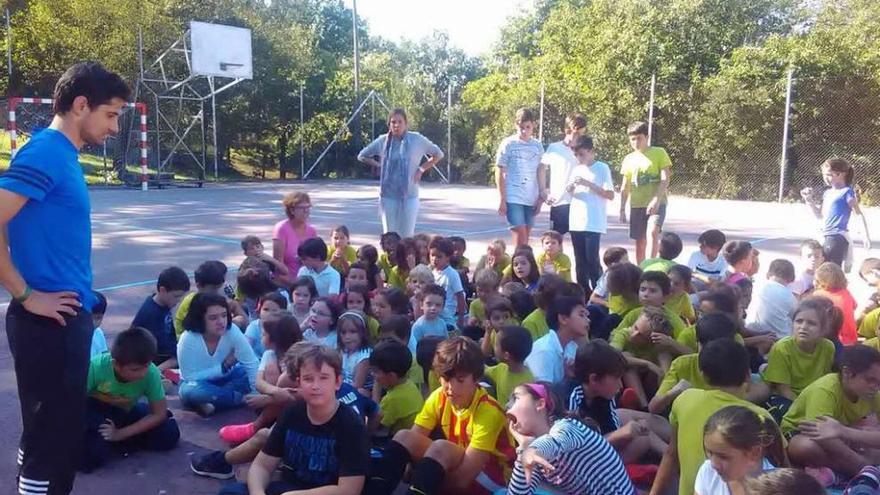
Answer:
(552, 259)
(654, 289)
(512, 346)
(645, 179)
(670, 248)
(390, 363)
(679, 300)
(549, 286)
(476, 444)
(725, 364)
(500, 314)
(486, 283)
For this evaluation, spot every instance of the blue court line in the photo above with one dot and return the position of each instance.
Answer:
(146, 282)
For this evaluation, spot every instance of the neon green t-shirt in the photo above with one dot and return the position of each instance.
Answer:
(825, 397)
(180, 315)
(505, 381)
(385, 265)
(620, 305)
(677, 323)
(621, 340)
(350, 256)
(400, 405)
(561, 264)
(689, 414)
(787, 364)
(415, 375)
(397, 278)
(685, 367)
(688, 337)
(680, 304)
(536, 324)
(869, 324)
(642, 170)
(500, 267)
(478, 310)
(873, 342)
(657, 265)
(106, 387)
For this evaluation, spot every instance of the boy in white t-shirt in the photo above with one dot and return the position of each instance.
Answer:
(707, 263)
(560, 160)
(313, 254)
(774, 304)
(591, 189)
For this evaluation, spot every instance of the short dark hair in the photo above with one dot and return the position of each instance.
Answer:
(523, 304)
(858, 358)
(358, 265)
(684, 272)
(783, 269)
(173, 278)
(715, 326)
(399, 325)
(670, 245)
(283, 332)
(583, 143)
(599, 358)
(457, 240)
(623, 279)
(434, 290)
(274, 296)
(613, 255)
(549, 287)
(473, 332)
(306, 282)
(194, 321)
(397, 299)
(250, 240)
(637, 128)
(525, 115)
(389, 237)
(211, 272)
(369, 253)
(135, 345)
(812, 244)
(723, 297)
(515, 340)
(317, 354)
(561, 306)
(575, 120)
(89, 79)
(342, 229)
(725, 363)
(426, 348)
(499, 303)
(253, 282)
(712, 238)
(361, 289)
(456, 356)
(391, 356)
(659, 278)
(313, 248)
(736, 251)
(100, 306)
(552, 234)
(442, 244)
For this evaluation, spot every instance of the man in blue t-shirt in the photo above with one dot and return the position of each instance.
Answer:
(45, 264)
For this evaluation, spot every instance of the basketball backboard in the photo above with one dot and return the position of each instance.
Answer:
(221, 51)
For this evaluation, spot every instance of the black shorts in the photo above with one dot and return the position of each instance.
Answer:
(559, 218)
(638, 221)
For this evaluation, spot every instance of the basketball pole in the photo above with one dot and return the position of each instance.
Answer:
(449, 132)
(8, 47)
(214, 121)
(785, 125)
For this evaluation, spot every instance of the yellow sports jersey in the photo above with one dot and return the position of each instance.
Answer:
(400, 405)
(561, 264)
(482, 426)
(677, 323)
(505, 380)
(689, 414)
(825, 397)
(687, 368)
(869, 324)
(182, 310)
(788, 365)
(536, 324)
(681, 305)
(350, 256)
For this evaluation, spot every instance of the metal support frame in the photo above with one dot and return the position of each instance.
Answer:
(370, 97)
(179, 97)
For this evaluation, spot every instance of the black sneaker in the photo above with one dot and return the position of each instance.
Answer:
(212, 465)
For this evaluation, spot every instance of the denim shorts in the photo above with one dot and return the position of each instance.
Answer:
(519, 215)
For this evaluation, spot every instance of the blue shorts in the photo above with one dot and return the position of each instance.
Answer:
(519, 215)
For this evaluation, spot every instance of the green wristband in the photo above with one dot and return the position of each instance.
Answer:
(22, 298)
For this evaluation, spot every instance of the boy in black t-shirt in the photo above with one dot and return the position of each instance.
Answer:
(155, 314)
(317, 442)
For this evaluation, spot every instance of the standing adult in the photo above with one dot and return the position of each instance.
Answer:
(45, 224)
(521, 177)
(645, 181)
(398, 155)
(560, 160)
(289, 233)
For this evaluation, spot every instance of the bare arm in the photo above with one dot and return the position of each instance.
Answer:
(280, 268)
(669, 466)
(866, 235)
(460, 307)
(500, 183)
(542, 181)
(346, 485)
(784, 390)
(624, 196)
(278, 248)
(158, 413)
(260, 473)
(360, 376)
(661, 402)
(466, 472)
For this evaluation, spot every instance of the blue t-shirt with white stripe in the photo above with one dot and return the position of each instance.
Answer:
(50, 239)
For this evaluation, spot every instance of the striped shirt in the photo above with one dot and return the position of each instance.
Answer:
(599, 409)
(584, 462)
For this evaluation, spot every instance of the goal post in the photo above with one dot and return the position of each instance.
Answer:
(14, 102)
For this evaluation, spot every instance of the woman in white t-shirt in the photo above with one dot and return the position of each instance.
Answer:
(739, 444)
(591, 189)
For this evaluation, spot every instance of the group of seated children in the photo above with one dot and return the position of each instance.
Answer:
(368, 370)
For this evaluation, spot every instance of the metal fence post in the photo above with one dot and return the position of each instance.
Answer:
(783, 162)
(651, 109)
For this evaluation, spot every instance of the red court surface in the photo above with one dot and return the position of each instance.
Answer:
(137, 234)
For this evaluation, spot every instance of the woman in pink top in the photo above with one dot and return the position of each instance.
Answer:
(289, 233)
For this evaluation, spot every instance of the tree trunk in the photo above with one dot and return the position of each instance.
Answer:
(282, 153)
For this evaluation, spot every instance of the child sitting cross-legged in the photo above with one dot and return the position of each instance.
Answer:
(390, 363)
(475, 450)
(512, 346)
(598, 369)
(116, 420)
(647, 351)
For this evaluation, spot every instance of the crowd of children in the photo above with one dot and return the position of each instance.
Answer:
(371, 367)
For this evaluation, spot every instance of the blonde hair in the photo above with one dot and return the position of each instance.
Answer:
(830, 277)
(498, 244)
(421, 273)
(293, 199)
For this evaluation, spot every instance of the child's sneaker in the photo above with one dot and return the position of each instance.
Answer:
(629, 399)
(236, 434)
(824, 475)
(172, 375)
(867, 482)
(212, 465)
